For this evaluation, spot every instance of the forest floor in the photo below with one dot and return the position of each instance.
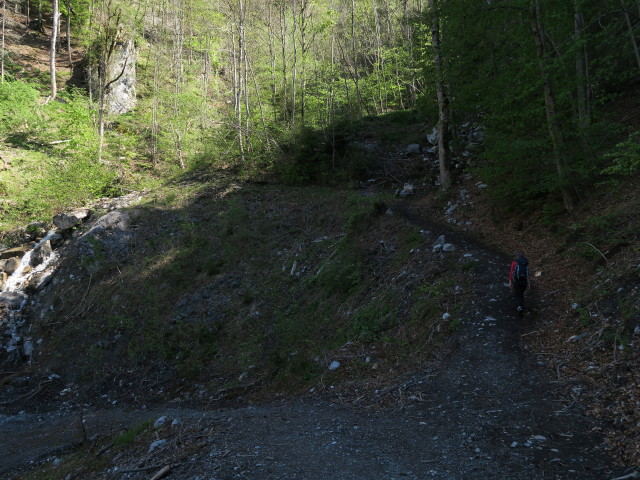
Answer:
(486, 408)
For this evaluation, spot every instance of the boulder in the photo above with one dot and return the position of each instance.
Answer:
(407, 189)
(68, 220)
(11, 265)
(40, 253)
(414, 148)
(14, 252)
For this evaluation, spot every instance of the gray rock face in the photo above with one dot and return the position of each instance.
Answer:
(121, 96)
(108, 239)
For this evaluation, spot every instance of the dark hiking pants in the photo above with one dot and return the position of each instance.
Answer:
(518, 294)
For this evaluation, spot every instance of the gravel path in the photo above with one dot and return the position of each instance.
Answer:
(487, 411)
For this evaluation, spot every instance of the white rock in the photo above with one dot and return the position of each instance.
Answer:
(448, 247)
(160, 422)
(157, 444)
(334, 365)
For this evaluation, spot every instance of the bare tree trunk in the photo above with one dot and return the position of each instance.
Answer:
(331, 105)
(444, 160)
(4, 14)
(294, 73)
(68, 3)
(244, 59)
(634, 43)
(354, 53)
(283, 38)
(236, 94)
(272, 51)
(178, 57)
(40, 21)
(555, 132)
(52, 52)
(581, 69)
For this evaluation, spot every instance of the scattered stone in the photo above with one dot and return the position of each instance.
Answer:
(414, 148)
(160, 422)
(575, 338)
(157, 444)
(334, 365)
(66, 221)
(448, 247)
(407, 190)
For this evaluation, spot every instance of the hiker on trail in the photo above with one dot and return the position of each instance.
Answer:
(519, 280)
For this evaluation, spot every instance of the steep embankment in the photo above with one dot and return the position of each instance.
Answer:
(473, 404)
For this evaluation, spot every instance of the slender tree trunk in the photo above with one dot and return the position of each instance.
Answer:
(331, 112)
(581, 69)
(294, 73)
(283, 38)
(69, 34)
(4, 14)
(378, 63)
(52, 52)
(274, 63)
(354, 52)
(244, 58)
(40, 21)
(237, 93)
(178, 59)
(444, 160)
(634, 43)
(553, 124)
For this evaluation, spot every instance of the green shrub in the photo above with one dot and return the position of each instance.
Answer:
(625, 157)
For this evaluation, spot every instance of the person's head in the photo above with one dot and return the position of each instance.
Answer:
(519, 254)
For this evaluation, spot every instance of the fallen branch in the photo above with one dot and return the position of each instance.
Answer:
(629, 476)
(142, 469)
(530, 333)
(162, 473)
(602, 254)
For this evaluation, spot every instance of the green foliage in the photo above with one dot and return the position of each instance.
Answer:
(373, 320)
(362, 212)
(18, 110)
(341, 274)
(625, 157)
(130, 436)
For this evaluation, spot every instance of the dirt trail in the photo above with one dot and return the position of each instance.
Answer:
(487, 411)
